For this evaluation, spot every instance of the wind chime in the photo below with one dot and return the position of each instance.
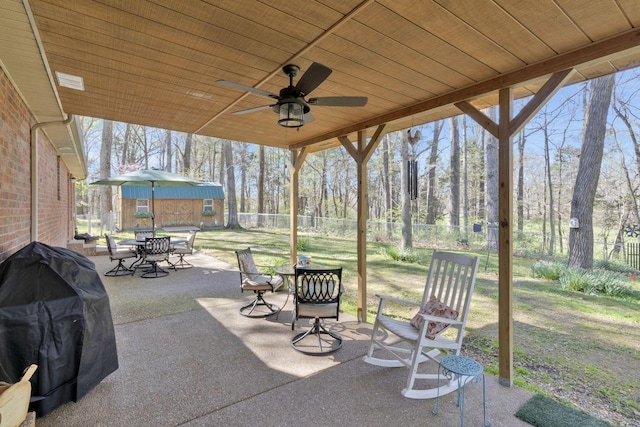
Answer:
(412, 165)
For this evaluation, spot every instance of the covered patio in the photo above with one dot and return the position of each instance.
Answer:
(188, 358)
(157, 63)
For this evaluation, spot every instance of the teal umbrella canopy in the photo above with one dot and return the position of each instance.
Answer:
(151, 177)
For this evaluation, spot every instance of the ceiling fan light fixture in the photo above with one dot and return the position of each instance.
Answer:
(291, 115)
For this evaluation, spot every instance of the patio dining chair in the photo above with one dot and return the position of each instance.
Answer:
(438, 326)
(142, 234)
(156, 250)
(119, 255)
(317, 296)
(183, 249)
(257, 282)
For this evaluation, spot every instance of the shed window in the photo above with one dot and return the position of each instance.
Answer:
(207, 205)
(142, 205)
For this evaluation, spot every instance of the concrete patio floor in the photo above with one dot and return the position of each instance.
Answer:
(187, 358)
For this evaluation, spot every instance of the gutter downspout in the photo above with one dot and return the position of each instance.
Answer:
(34, 170)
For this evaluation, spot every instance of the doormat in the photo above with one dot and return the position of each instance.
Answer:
(542, 411)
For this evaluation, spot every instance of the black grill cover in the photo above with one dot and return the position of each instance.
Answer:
(54, 312)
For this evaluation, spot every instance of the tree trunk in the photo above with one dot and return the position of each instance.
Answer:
(480, 208)
(169, 151)
(491, 186)
(520, 196)
(126, 149)
(261, 173)
(232, 207)
(454, 175)
(584, 191)
(547, 158)
(432, 208)
(104, 191)
(465, 180)
(386, 183)
(186, 156)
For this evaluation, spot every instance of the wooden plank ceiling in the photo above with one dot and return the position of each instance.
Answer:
(155, 62)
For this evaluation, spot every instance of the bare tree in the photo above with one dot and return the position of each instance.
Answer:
(581, 233)
(454, 175)
(432, 208)
(169, 150)
(520, 195)
(261, 175)
(386, 185)
(104, 191)
(491, 185)
(232, 206)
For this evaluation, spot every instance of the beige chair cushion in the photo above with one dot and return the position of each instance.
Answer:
(318, 310)
(257, 283)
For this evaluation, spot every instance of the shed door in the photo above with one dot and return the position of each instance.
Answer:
(176, 212)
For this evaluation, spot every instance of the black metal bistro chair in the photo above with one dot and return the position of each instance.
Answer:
(156, 250)
(317, 297)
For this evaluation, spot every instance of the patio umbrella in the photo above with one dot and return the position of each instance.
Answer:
(151, 177)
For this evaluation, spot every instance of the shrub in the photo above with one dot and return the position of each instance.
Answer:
(399, 254)
(595, 282)
(547, 270)
(612, 266)
(575, 280)
(303, 244)
(606, 279)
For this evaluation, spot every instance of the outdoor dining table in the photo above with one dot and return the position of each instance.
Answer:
(139, 246)
(288, 272)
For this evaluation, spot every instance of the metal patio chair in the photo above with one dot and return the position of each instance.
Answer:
(156, 250)
(317, 296)
(259, 283)
(184, 249)
(119, 255)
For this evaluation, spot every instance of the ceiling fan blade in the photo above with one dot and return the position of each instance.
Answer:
(253, 110)
(311, 79)
(339, 101)
(308, 118)
(247, 88)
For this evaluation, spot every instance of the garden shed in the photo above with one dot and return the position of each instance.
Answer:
(200, 205)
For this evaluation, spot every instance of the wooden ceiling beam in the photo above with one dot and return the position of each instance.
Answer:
(593, 52)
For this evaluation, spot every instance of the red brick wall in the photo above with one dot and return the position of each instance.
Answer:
(55, 225)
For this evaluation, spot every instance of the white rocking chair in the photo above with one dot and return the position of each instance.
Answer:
(445, 306)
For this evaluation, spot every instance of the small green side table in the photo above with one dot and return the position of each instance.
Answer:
(466, 370)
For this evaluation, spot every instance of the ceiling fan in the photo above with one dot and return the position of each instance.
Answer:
(291, 106)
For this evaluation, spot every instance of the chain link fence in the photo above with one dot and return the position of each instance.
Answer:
(482, 236)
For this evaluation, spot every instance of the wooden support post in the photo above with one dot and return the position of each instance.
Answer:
(361, 155)
(505, 237)
(504, 131)
(362, 229)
